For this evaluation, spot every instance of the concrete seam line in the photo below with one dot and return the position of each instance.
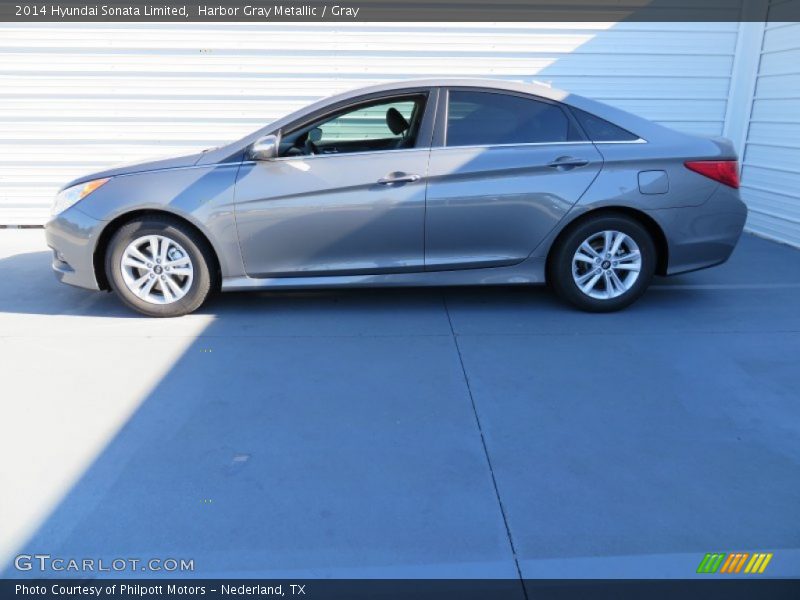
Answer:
(485, 448)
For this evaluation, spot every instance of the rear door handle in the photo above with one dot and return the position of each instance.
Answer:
(398, 178)
(564, 163)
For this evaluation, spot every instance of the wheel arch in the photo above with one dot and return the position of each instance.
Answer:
(645, 220)
(98, 257)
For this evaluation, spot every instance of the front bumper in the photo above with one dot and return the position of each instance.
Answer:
(705, 235)
(73, 236)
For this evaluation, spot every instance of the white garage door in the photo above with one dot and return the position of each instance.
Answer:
(771, 165)
(75, 98)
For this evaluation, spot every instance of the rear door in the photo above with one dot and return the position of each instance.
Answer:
(505, 168)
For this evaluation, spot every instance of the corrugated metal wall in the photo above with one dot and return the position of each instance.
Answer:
(771, 162)
(78, 97)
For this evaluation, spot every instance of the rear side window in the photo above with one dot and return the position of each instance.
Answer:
(486, 118)
(600, 130)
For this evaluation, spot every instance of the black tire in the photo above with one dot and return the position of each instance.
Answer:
(197, 248)
(560, 275)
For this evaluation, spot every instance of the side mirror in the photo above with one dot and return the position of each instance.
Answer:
(265, 148)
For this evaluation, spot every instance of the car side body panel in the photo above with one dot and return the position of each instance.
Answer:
(202, 195)
(705, 235)
(491, 206)
(73, 237)
(529, 271)
(327, 214)
(478, 234)
(701, 219)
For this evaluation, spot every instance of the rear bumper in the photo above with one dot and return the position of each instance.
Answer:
(705, 235)
(72, 236)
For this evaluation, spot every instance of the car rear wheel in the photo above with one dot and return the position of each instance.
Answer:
(159, 267)
(603, 264)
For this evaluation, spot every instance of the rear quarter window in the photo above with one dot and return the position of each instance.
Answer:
(600, 130)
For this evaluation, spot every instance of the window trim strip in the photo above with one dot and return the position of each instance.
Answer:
(432, 148)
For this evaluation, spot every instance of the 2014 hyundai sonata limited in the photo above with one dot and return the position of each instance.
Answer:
(415, 183)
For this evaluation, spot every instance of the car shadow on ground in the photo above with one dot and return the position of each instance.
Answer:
(341, 433)
(31, 288)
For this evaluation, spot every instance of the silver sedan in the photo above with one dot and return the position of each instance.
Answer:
(414, 183)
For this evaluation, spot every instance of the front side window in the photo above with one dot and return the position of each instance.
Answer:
(386, 124)
(488, 118)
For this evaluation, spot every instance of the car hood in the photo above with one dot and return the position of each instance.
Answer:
(175, 162)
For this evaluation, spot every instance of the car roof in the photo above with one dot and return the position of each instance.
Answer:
(536, 88)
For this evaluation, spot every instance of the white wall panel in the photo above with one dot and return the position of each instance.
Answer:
(78, 97)
(771, 162)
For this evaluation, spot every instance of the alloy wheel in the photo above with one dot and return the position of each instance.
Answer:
(157, 269)
(606, 264)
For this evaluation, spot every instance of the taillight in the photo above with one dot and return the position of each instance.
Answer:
(724, 171)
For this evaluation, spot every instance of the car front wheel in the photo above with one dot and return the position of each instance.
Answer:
(159, 267)
(603, 264)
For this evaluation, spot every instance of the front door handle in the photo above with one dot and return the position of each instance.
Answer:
(563, 163)
(398, 178)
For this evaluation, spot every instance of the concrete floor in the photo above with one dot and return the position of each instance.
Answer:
(411, 433)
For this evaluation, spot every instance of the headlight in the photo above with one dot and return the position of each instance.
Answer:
(71, 195)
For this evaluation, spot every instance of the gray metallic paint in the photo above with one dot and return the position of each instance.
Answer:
(74, 234)
(323, 214)
(201, 195)
(490, 206)
(493, 213)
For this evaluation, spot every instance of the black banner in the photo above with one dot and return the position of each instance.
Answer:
(259, 11)
(405, 589)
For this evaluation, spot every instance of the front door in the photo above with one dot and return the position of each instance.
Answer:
(346, 195)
